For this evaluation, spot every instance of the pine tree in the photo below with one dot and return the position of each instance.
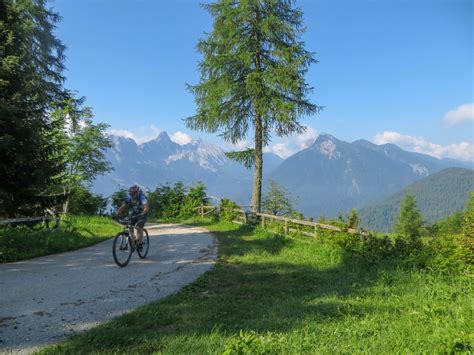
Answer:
(409, 221)
(31, 66)
(277, 200)
(252, 77)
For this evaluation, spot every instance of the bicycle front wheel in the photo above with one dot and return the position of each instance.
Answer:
(122, 249)
(144, 246)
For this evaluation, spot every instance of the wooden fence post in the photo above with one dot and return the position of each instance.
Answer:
(201, 211)
(245, 217)
(315, 231)
(286, 227)
(263, 221)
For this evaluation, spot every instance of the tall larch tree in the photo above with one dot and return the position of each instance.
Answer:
(252, 77)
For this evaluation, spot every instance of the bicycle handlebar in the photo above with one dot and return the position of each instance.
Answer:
(124, 222)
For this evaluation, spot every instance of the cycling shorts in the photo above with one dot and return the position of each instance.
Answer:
(139, 221)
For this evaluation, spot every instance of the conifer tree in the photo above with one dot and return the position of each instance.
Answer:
(252, 77)
(409, 221)
(31, 66)
(277, 200)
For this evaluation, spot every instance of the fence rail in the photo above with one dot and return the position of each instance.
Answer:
(244, 217)
(25, 220)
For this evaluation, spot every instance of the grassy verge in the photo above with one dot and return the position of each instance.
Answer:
(272, 294)
(76, 232)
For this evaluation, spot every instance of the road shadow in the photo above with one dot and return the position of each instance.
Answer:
(272, 296)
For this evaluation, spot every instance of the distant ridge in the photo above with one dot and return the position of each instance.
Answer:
(437, 196)
(333, 176)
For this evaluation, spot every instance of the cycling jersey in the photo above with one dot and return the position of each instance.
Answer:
(136, 204)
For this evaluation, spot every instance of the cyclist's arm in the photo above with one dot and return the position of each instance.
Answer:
(146, 208)
(120, 209)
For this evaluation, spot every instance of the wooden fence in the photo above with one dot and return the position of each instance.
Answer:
(29, 221)
(26, 220)
(243, 217)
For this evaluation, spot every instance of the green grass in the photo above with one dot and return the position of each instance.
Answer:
(76, 232)
(273, 294)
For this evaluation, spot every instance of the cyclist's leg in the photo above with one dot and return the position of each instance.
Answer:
(140, 224)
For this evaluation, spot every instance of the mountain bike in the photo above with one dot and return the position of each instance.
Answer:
(125, 243)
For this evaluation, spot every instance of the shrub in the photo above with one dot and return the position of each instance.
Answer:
(226, 209)
(452, 224)
(84, 202)
(468, 229)
(195, 197)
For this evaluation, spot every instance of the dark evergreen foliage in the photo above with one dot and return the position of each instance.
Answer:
(31, 67)
(83, 202)
(252, 75)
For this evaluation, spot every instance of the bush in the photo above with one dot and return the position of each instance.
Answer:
(449, 253)
(84, 202)
(452, 224)
(195, 197)
(468, 229)
(226, 210)
(176, 201)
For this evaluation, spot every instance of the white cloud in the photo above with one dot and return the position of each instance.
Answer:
(181, 138)
(306, 139)
(280, 149)
(463, 150)
(121, 133)
(463, 113)
(141, 135)
(293, 144)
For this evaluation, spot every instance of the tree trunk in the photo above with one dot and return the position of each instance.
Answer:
(257, 177)
(66, 201)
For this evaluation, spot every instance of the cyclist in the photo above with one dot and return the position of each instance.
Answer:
(138, 203)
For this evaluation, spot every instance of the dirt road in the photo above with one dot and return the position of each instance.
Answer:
(43, 300)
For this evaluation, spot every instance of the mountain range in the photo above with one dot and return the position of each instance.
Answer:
(328, 177)
(333, 175)
(162, 161)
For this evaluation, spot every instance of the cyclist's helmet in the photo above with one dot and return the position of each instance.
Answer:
(134, 190)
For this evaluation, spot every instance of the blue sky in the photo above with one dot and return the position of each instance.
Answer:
(394, 71)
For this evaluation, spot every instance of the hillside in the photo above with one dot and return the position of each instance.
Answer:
(437, 196)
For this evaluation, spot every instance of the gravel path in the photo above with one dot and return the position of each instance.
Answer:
(44, 300)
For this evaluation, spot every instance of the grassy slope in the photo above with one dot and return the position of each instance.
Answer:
(76, 232)
(274, 294)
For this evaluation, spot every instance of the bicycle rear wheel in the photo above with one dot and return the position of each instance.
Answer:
(122, 249)
(144, 246)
